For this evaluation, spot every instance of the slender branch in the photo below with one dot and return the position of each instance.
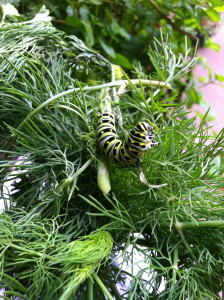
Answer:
(103, 174)
(113, 78)
(201, 224)
(174, 25)
(221, 164)
(72, 178)
(175, 265)
(198, 225)
(146, 82)
(92, 88)
(115, 291)
(102, 286)
(82, 169)
(179, 230)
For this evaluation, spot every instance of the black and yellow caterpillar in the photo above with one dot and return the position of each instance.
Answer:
(139, 140)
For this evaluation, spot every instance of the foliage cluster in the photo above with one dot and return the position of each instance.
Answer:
(58, 226)
(123, 30)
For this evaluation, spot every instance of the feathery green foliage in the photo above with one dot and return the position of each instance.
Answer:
(60, 236)
(47, 261)
(123, 30)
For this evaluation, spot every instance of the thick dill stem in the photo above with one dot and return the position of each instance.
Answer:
(102, 286)
(175, 265)
(89, 289)
(103, 174)
(201, 224)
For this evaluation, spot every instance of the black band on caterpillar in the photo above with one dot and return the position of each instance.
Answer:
(140, 139)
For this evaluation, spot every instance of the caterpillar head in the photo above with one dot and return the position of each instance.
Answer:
(145, 128)
(149, 134)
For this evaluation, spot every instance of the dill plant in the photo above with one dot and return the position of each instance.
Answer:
(60, 236)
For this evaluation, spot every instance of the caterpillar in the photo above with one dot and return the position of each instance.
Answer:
(139, 140)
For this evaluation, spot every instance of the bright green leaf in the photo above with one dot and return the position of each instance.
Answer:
(220, 8)
(216, 2)
(212, 45)
(192, 22)
(219, 77)
(213, 15)
(202, 79)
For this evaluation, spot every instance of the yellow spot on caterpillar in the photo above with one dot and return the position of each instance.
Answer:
(102, 132)
(108, 142)
(141, 144)
(111, 130)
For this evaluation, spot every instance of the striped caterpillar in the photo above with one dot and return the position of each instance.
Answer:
(139, 140)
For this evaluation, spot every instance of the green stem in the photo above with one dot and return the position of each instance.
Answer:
(102, 286)
(221, 164)
(82, 169)
(175, 265)
(115, 291)
(90, 88)
(201, 224)
(103, 174)
(89, 289)
(72, 178)
(198, 225)
(113, 78)
(179, 230)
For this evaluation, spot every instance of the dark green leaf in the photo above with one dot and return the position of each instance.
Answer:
(123, 61)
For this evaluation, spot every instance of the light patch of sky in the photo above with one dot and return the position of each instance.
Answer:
(7, 188)
(138, 265)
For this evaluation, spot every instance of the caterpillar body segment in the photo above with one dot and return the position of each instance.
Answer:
(139, 140)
